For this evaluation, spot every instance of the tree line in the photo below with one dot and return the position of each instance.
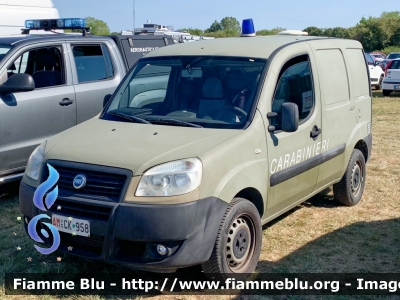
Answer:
(375, 33)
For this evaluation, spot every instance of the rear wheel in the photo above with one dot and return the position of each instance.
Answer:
(386, 93)
(349, 189)
(238, 244)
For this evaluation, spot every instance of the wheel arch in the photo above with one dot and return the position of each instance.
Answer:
(363, 147)
(255, 197)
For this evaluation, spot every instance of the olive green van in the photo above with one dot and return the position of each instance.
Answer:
(201, 144)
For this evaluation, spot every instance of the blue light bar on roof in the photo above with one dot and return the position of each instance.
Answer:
(248, 28)
(70, 23)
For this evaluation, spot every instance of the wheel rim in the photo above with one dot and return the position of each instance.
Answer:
(357, 178)
(240, 243)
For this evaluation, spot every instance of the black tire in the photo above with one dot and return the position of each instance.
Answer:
(379, 86)
(238, 244)
(386, 93)
(9, 189)
(349, 189)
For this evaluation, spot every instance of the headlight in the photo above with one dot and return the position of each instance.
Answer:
(171, 179)
(34, 162)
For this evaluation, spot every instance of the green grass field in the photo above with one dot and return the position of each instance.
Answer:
(317, 236)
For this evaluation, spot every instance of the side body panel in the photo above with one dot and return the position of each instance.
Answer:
(237, 164)
(29, 118)
(346, 103)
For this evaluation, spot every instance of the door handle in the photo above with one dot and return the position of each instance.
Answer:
(66, 102)
(315, 132)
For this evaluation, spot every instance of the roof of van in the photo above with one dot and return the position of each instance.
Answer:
(257, 47)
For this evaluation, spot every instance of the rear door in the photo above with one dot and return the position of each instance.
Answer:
(29, 118)
(96, 73)
(346, 105)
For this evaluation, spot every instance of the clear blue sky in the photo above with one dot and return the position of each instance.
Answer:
(267, 14)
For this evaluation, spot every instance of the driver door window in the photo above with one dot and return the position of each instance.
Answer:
(45, 65)
(294, 85)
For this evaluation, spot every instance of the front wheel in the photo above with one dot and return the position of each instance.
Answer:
(238, 244)
(349, 189)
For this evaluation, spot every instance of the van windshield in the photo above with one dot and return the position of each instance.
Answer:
(211, 92)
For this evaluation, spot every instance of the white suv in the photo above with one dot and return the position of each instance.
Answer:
(376, 73)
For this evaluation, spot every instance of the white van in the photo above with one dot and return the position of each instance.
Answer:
(14, 13)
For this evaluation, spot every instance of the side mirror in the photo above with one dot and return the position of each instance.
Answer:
(20, 82)
(106, 98)
(290, 117)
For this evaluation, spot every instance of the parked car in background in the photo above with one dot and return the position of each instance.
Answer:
(375, 71)
(390, 57)
(378, 52)
(391, 81)
(49, 83)
(393, 55)
(377, 56)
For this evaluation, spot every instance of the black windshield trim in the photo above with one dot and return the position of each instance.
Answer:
(176, 122)
(130, 118)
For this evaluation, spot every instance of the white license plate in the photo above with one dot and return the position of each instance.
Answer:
(397, 87)
(71, 225)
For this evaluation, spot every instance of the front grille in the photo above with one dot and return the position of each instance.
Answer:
(374, 79)
(81, 210)
(99, 185)
(93, 244)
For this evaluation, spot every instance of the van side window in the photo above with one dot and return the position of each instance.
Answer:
(92, 63)
(45, 65)
(294, 85)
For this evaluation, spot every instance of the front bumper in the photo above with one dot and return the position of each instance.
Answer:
(130, 234)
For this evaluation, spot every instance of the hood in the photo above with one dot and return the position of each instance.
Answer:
(132, 146)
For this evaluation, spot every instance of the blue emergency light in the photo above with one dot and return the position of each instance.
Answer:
(70, 23)
(248, 28)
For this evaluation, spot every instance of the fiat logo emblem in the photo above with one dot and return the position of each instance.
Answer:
(79, 181)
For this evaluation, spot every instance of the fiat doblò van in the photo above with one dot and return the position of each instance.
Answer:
(204, 142)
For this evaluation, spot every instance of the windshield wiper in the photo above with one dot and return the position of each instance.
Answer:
(177, 122)
(130, 118)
